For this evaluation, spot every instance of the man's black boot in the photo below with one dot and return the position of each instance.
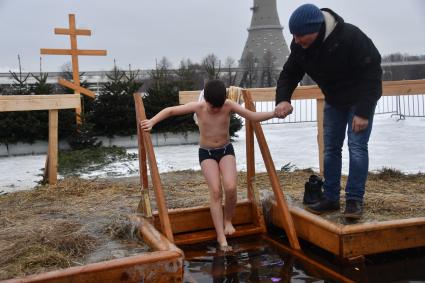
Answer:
(353, 209)
(324, 205)
(313, 190)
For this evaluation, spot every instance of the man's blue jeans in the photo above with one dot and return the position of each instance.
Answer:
(335, 124)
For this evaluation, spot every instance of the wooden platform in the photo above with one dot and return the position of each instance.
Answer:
(347, 241)
(193, 225)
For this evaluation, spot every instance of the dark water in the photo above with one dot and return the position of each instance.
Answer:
(258, 260)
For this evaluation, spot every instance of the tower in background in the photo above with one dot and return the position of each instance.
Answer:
(265, 50)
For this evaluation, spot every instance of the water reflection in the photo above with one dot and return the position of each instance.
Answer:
(266, 259)
(255, 261)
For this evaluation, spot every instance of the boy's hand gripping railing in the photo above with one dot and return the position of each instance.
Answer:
(146, 147)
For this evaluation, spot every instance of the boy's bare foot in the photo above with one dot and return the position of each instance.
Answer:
(229, 229)
(225, 247)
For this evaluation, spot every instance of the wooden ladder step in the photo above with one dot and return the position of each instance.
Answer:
(207, 235)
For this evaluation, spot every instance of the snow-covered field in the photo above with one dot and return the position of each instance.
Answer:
(393, 144)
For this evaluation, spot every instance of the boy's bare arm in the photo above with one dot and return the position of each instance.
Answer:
(165, 113)
(250, 115)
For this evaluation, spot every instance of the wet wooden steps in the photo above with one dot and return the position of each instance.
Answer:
(208, 235)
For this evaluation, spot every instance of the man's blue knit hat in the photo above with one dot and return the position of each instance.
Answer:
(306, 19)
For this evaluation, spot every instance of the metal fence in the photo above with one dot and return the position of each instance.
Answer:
(305, 109)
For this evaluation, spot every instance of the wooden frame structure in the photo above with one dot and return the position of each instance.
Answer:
(345, 241)
(193, 225)
(52, 103)
(351, 241)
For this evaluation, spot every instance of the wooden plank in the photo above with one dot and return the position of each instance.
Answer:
(261, 94)
(74, 58)
(53, 147)
(188, 96)
(144, 206)
(159, 266)
(66, 31)
(252, 192)
(208, 235)
(53, 51)
(390, 88)
(38, 102)
(91, 52)
(403, 88)
(193, 219)
(376, 226)
(310, 227)
(77, 88)
(347, 241)
(250, 158)
(383, 240)
(274, 180)
(151, 236)
(315, 265)
(156, 180)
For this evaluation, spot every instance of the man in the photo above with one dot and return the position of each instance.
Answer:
(346, 66)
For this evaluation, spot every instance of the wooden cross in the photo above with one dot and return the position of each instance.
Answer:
(72, 31)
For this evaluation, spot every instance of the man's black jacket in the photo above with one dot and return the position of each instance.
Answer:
(346, 66)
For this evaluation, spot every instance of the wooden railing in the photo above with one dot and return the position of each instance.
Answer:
(43, 102)
(390, 88)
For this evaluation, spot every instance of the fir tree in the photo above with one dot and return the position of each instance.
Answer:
(113, 112)
(22, 126)
(164, 93)
(20, 87)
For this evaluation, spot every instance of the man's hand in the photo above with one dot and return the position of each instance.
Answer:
(283, 109)
(359, 124)
(146, 125)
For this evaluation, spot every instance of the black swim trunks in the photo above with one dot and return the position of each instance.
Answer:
(215, 153)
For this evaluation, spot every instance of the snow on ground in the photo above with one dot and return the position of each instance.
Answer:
(393, 144)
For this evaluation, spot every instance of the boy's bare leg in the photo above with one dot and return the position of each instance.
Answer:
(229, 177)
(211, 172)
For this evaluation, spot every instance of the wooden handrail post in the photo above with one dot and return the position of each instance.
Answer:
(252, 192)
(144, 206)
(156, 180)
(53, 147)
(250, 158)
(268, 161)
(320, 106)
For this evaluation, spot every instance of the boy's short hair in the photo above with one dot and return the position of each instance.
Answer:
(215, 93)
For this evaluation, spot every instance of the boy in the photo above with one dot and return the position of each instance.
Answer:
(216, 153)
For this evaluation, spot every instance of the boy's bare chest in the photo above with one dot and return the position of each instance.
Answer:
(214, 121)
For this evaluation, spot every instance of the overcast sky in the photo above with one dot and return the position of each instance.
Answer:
(137, 32)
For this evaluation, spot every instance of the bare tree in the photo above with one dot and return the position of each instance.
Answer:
(230, 74)
(268, 73)
(212, 66)
(249, 65)
(189, 75)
